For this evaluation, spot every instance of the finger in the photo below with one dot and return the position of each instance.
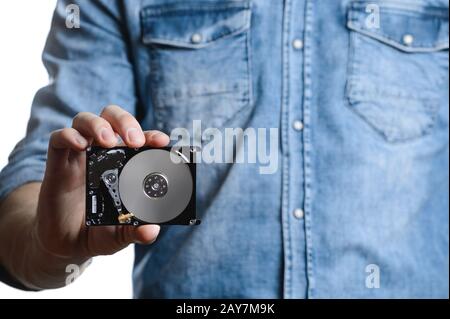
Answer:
(126, 235)
(145, 234)
(93, 126)
(152, 138)
(125, 124)
(108, 240)
(67, 138)
(60, 144)
(156, 139)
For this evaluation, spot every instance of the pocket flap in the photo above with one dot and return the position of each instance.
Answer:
(193, 24)
(404, 25)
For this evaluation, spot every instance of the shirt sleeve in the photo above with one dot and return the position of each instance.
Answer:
(89, 67)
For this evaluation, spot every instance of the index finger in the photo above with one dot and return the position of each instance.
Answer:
(153, 138)
(156, 138)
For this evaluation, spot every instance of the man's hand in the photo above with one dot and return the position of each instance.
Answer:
(58, 235)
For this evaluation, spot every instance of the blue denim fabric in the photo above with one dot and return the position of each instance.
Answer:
(369, 169)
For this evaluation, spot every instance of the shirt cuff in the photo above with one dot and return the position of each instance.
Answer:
(14, 176)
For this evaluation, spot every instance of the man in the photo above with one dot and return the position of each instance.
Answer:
(358, 206)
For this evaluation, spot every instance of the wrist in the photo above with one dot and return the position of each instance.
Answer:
(43, 269)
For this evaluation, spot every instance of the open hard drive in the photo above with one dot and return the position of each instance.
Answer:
(126, 186)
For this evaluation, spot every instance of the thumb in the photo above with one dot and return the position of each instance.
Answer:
(107, 240)
(145, 234)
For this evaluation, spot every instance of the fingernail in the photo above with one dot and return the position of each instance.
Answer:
(134, 136)
(107, 135)
(154, 135)
(81, 141)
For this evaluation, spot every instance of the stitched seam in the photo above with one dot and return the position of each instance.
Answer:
(402, 7)
(186, 44)
(249, 60)
(307, 146)
(158, 10)
(287, 293)
(382, 37)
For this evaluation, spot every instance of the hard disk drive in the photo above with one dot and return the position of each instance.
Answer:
(127, 186)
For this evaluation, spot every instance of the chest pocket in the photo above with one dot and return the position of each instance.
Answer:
(398, 68)
(200, 61)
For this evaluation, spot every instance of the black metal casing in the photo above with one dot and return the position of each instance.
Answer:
(100, 208)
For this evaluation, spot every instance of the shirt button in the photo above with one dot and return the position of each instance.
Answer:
(408, 39)
(298, 213)
(298, 125)
(297, 44)
(196, 38)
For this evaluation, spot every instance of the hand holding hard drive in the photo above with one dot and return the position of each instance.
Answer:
(50, 233)
(124, 186)
(60, 223)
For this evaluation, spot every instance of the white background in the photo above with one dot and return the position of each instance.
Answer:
(23, 28)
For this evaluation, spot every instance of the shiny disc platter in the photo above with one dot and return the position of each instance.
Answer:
(154, 188)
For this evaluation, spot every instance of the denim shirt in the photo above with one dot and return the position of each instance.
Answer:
(358, 92)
